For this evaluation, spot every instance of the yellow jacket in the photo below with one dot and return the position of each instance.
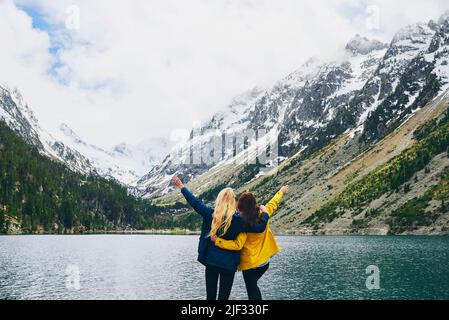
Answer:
(257, 248)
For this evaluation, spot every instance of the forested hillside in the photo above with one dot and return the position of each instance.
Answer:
(432, 139)
(40, 195)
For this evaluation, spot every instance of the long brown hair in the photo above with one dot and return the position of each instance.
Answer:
(249, 208)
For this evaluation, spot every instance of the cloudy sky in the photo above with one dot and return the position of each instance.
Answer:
(124, 71)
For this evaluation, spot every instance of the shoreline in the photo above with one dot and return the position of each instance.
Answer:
(304, 232)
(197, 233)
(174, 232)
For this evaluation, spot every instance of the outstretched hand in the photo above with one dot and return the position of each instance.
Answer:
(285, 189)
(176, 181)
(263, 208)
(213, 238)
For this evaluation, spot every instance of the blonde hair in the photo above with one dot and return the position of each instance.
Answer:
(225, 207)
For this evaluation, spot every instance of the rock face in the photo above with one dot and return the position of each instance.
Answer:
(362, 45)
(371, 91)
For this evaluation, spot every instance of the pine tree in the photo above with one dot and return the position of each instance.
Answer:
(2, 221)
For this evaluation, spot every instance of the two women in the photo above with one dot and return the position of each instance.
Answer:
(225, 222)
(256, 249)
(233, 231)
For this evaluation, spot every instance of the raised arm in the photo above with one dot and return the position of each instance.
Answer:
(193, 201)
(274, 202)
(234, 245)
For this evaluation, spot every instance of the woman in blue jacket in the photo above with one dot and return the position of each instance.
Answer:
(221, 265)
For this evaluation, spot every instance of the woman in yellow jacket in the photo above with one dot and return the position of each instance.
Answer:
(257, 249)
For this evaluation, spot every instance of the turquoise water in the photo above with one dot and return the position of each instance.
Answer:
(165, 267)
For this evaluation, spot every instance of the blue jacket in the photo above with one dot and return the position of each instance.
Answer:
(208, 253)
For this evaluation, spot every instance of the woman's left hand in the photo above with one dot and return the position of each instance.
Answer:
(213, 238)
(263, 208)
(177, 182)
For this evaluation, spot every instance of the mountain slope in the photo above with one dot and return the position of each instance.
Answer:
(178, 161)
(272, 111)
(370, 91)
(124, 163)
(341, 125)
(402, 187)
(318, 179)
(39, 195)
(18, 116)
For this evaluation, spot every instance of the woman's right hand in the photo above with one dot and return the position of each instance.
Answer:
(263, 208)
(176, 181)
(285, 189)
(213, 238)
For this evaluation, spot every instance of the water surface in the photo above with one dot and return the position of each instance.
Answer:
(165, 267)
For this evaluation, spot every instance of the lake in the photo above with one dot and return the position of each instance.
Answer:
(165, 267)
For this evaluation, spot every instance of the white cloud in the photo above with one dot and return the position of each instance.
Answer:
(143, 68)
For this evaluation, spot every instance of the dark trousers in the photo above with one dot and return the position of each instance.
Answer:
(226, 278)
(251, 277)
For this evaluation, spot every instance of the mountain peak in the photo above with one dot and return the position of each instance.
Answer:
(123, 149)
(68, 132)
(415, 32)
(248, 95)
(362, 45)
(444, 18)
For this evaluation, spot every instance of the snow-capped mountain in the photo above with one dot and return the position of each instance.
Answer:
(314, 115)
(19, 117)
(371, 91)
(145, 154)
(231, 120)
(276, 109)
(124, 163)
(368, 91)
